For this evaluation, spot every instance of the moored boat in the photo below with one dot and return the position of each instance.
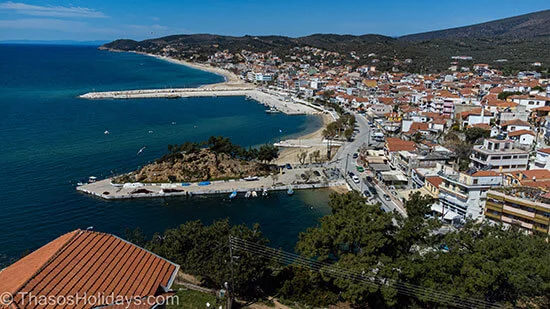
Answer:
(233, 195)
(290, 191)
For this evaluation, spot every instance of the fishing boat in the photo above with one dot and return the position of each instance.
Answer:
(233, 195)
(272, 110)
(254, 194)
(264, 192)
(106, 132)
(290, 191)
(92, 179)
(247, 194)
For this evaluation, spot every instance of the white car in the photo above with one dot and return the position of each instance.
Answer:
(355, 179)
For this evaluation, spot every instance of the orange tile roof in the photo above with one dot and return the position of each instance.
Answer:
(539, 174)
(520, 132)
(434, 180)
(545, 150)
(516, 122)
(87, 262)
(485, 174)
(396, 144)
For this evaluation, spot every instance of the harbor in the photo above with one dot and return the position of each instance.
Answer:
(288, 180)
(271, 101)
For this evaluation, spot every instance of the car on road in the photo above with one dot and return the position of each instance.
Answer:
(372, 190)
(288, 166)
(351, 174)
(360, 169)
(387, 197)
(355, 155)
(355, 179)
(366, 193)
(369, 179)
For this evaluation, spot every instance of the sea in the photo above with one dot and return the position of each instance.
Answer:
(50, 140)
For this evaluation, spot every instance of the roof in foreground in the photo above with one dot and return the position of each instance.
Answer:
(87, 263)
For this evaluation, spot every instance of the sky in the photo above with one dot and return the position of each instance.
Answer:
(87, 20)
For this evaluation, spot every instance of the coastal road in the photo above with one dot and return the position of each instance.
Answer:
(345, 154)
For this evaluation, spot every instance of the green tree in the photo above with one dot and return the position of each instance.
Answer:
(474, 134)
(268, 153)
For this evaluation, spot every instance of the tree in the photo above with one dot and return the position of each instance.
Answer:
(268, 153)
(474, 134)
(317, 155)
(302, 157)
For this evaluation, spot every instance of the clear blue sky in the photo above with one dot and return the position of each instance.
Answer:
(138, 19)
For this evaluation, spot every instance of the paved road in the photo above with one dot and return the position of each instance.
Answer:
(345, 154)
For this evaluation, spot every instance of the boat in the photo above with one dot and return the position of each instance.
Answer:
(141, 150)
(254, 194)
(92, 179)
(251, 178)
(247, 194)
(272, 110)
(233, 195)
(106, 132)
(264, 192)
(79, 184)
(290, 191)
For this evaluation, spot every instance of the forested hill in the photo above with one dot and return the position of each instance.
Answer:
(521, 40)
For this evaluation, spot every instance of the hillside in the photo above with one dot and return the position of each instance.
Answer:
(521, 40)
(526, 26)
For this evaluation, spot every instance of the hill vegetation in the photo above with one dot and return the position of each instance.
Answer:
(482, 262)
(520, 40)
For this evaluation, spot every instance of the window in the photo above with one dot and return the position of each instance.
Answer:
(506, 157)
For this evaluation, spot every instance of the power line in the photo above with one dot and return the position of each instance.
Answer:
(407, 289)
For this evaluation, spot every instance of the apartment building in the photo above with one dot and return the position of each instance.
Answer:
(464, 193)
(499, 155)
(526, 207)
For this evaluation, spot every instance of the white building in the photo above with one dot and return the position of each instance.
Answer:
(499, 155)
(543, 158)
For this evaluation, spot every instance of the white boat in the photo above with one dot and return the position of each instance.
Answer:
(290, 191)
(264, 192)
(141, 150)
(254, 194)
(106, 132)
(247, 194)
(92, 179)
(272, 110)
(251, 178)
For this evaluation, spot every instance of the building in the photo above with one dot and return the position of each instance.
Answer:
(542, 159)
(522, 137)
(464, 194)
(83, 263)
(525, 207)
(499, 155)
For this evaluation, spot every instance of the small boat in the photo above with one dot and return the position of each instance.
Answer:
(251, 178)
(272, 110)
(264, 192)
(92, 179)
(106, 132)
(290, 191)
(150, 132)
(79, 184)
(233, 195)
(254, 194)
(141, 150)
(247, 194)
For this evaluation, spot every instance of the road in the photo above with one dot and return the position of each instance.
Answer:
(345, 162)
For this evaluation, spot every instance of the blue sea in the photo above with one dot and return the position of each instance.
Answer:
(50, 140)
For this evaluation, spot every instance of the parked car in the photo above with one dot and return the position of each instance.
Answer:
(351, 174)
(288, 166)
(366, 193)
(360, 169)
(387, 197)
(355, 179)
(355, 155)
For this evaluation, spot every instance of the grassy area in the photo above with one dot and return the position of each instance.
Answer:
(189, 299)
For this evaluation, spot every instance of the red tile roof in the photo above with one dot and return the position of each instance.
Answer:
(544, 150)
(87, 262)
(434, 180)
(485, 174)
(396, 144)
(520, 132)
(516, 122)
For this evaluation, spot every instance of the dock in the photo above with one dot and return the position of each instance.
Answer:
(105, 189)
(269, 100)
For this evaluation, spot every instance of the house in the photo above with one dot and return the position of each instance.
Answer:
(530, 101)
(542, 160)
(85, 262)
(499, 155)
(531, 178)
(432, 185)
(522, 137)
(515, 125)
(475, 116)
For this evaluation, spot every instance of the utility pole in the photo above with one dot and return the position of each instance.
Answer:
(230, 289)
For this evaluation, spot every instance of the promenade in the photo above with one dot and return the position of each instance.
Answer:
(269, 100)
(294, 178)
